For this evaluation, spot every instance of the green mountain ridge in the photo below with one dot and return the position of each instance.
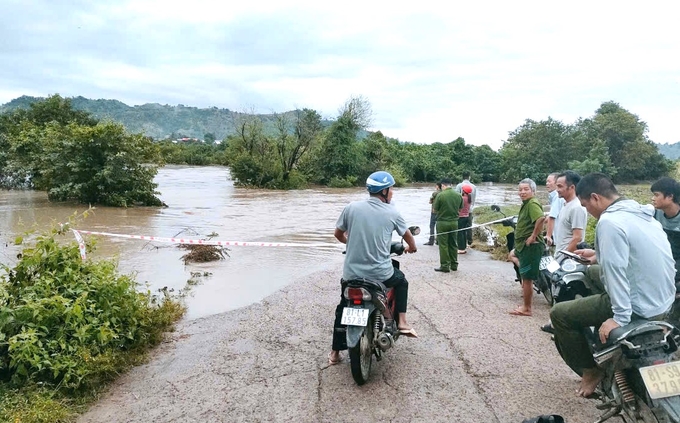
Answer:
(156, 120)
(162, 121)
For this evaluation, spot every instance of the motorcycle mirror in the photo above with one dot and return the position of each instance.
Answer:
(415, 230)
(495, 208)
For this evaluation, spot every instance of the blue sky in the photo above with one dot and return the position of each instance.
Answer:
(432, 71)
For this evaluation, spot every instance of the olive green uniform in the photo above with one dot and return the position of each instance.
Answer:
(447, 204)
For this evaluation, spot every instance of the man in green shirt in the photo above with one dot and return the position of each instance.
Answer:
(528, 242)
(446, 205)
(433, 215)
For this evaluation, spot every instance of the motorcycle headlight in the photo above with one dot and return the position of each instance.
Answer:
(569, 265)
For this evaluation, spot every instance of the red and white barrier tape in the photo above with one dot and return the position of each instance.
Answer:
(191, 241)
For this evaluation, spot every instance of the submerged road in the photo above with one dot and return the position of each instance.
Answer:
(267, 362)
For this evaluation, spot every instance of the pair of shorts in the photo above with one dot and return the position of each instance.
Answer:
(529, 260)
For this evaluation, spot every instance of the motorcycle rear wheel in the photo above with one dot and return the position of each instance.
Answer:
(361, 356)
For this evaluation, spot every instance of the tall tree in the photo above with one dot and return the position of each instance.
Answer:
(631, 152)
(295, 137)
(340, 155)
(536, 149)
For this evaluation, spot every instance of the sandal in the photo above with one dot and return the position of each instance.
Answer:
(409, 333)
(332, 362)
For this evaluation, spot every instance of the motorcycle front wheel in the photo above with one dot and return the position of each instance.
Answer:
(361, 356)
(544, 285)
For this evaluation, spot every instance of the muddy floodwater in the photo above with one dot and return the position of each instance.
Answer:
(202, 201)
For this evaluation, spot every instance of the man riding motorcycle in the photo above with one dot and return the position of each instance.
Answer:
(366, 227)
(637, 270)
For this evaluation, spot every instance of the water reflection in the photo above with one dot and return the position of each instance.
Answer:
(203, 200)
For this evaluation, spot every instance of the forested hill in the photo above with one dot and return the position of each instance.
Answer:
(670, 151)
(153, 119)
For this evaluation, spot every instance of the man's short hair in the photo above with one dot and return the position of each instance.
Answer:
(667, 186)
(439, 185)
(446, 181)
(466, 174)
(570, 177)
(596, 183)
(530, 182)
(555, 175)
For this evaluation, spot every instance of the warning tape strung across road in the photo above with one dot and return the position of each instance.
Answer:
(191, 241)
(493, 222)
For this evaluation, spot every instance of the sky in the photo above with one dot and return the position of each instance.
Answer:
(432, 71)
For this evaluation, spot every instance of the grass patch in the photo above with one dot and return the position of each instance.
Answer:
(68, 327)
(491, 239)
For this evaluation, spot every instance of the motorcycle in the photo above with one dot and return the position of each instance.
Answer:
(542, 285)
(370, 318)
(642, 380)
(566, 280)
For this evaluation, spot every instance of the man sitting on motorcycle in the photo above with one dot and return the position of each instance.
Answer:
(366, 227)
(637, 270)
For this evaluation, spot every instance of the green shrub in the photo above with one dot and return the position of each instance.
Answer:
(74, 324)
(336, 182)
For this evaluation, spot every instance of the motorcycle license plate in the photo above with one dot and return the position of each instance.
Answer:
(354, 316)
(662, 380)
(549, 263)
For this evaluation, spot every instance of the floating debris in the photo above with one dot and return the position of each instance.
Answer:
(203, 253)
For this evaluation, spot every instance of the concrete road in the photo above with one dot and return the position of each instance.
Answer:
(267, 362)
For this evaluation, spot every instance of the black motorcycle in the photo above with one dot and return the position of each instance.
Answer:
(542, 284)
(642, 378)
(567, 279)
(370, 318)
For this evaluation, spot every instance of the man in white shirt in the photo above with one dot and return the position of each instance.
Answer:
(570, 226)
(556, 204)
(466, 181)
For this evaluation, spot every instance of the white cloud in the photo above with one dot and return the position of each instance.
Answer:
(432, 73)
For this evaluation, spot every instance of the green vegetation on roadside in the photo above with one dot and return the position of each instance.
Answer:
(67, 327)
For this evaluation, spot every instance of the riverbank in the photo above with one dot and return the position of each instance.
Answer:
(267, 362)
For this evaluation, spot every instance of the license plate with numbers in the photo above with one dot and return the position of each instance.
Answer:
(662, 380)
(354, 316)
(548, 262)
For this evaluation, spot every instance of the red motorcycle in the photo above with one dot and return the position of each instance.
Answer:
(370, 318)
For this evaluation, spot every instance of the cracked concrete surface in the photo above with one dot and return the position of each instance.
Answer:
(267, 362)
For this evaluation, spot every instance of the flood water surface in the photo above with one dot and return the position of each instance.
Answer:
(204, 201)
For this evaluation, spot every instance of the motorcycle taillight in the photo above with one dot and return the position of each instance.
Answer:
(357, 295)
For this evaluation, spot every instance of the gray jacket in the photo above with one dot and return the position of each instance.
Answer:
(636, 261)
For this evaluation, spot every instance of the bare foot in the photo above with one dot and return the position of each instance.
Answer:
(591, 378)
(521, 311)
(334, 357)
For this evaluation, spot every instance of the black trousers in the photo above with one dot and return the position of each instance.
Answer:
(397, 281)
(433, 221)
(464, 237)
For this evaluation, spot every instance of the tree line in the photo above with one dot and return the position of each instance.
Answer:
(301, 150)
(68, 153)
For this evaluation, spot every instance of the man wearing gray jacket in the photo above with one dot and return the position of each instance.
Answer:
(637, 269)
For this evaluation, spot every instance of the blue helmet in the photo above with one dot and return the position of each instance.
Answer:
(378, 181)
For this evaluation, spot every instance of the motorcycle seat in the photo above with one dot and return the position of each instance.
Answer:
(365, 283)
(636, 327)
